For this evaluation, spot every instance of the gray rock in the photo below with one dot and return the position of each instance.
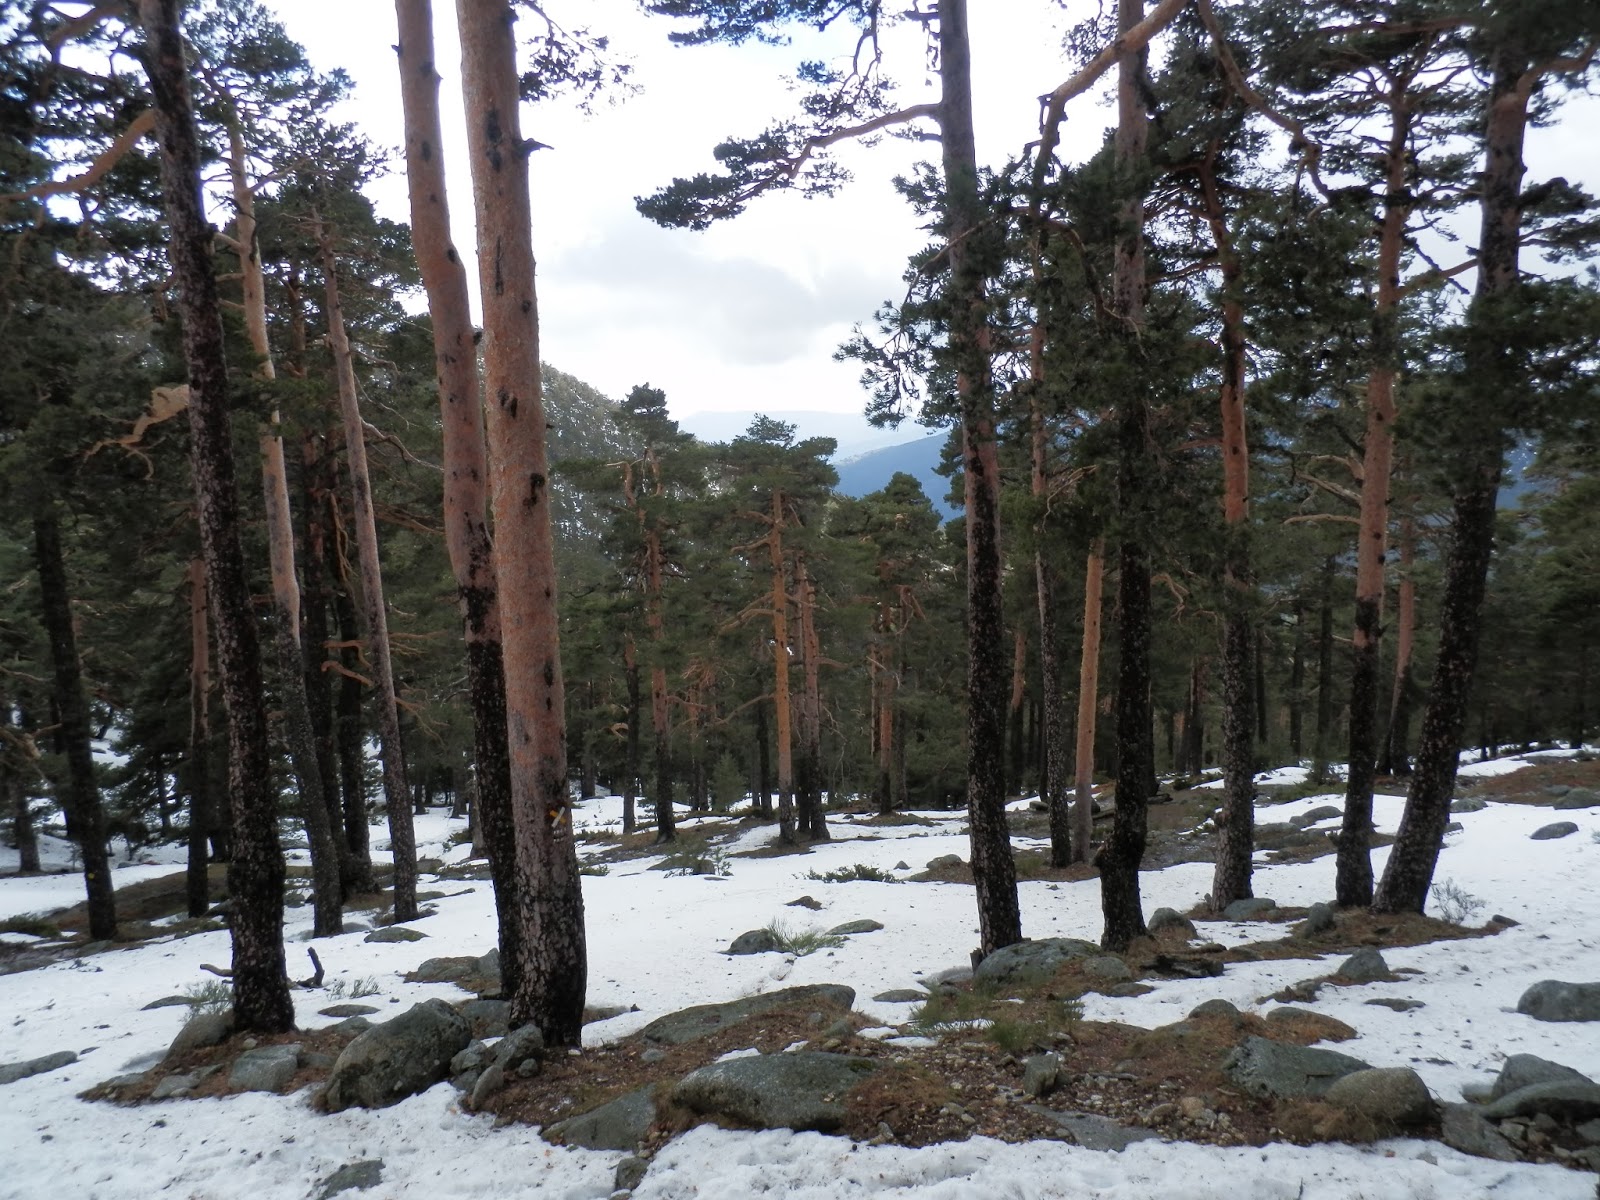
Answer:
(444, 970)
(352, 1176)
(754, 941)
(316, 1060)
(619, 1125)
(604, 1012)
(395, 933)
(799, 1091)
(1395, 1003)
(167, 1002)
(490, 1080)
(468, 1064)
(1525, 1070)
(347, 1010)
(1462, 1127)
(489, 964)
(1366, 965)
(1589, 1131)
(945, 860)
(1040, 1074)
(630, 1173)
(685, 1026)
(488, 1018)
(1249, 910)
(1386, 1095)
(810, 902)
(1468, 804)
(351, 1027)
(205, 1029)
(1558, 789)
(264, 1069)
(399, 1058)
(1563, 1098)
(1216, 1008)
(1549, 833)
(11, 1072)
(1553, 1000)
(901, 996)
(1277, 1070)
(1094, 1132)
(1323, 812)
(865, 925)
(1578, 798)
(1169, 919)
(1108, 968)
(519, 1052)
(174, 1086)
(652, 1055)
(1319, 919)
(1032, 962)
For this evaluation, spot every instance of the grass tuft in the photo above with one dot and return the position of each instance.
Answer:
(856, 873)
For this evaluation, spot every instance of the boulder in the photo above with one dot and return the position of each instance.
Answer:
(1323, 812)
(1107, 968)
(171, 1087)
(488, 1018)
(865, 925)
(351, 1027)
(685, 1026)
(945, 861)
(11, 1072)
(444, 970)
(1040, 1074)
(810, 902)
(1525, 1070)
(1389, 1096)
(1395, 1003)
(1031, 962)
(1277, 1070)
(1169, 920)
(1578, 798)
(619, 1125)
(1366, 965)
(1553, 1000)
(395, 933)
(205, 1029)
(1217, 1008)
(630, 1173)
(264, 1069)
(347, 1010)
(799, 1091)
(519, 1052)
(1468, 804)
(1249, 910)
(901, 996)
(468, 1065)
(1549, 833)
(352, 1176)
(1462, 1127)
(398, 1058)
(1575, 1101)
(755, 941)
(1094, 1132)
(1319, 919)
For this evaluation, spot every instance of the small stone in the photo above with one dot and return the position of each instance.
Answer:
(266, 1069)
(1107, 967)
(653, 1054)
(1468, 804)
(1366, 965)
(206, 1029)
(901, 996)
(1578, 797)
(492, 1079)
(1589, 1131)
(351, 1177)
(865, 925)
(1454, 827)
(347, 1010)
(805, 902)
(902, 865)
(1549, 833)
(630, 1173)
(487, 1018)
(754, 941)
(1462, 1127)
(1170, 921)
(945, 861)
(174, 1087)
(395, 933)
(168, 1002)
(1395, 1003)
(1040, 1074)
(1217, 1008)
(1323, 812)
(1249, 909)
(1319, 919)
(11, 1072)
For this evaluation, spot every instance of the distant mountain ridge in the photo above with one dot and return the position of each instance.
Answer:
(851, 430)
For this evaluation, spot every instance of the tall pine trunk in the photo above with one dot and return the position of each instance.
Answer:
(196, 775)
(396, 791)
(554, 968)
(630, 770)
(780, 672)
(810, 817)
(1088, 703)
(1396, 759)
(1324, 729)
(261, 1001)
(466, 469)
(1053, 785)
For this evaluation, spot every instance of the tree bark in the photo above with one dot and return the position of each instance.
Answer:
(1396, 759)
(466, 468)
(14, 797)
(196, 769)
(1120, 857)
(763, 762)
(780, 673)
(1489, 374)
(554, 965)
(1088, 704)
(1053, 784)
(1319, 747)
(1297, 681)
(396, 791)
(349, 727)
(630, 771)
(811, 818)
(261, 1001)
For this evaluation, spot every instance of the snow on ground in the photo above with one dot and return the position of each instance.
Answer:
(654, 942)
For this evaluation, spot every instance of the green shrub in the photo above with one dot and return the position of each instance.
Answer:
(858, 872)
(801, 942)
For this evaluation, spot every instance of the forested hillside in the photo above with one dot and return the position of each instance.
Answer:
(302, 543)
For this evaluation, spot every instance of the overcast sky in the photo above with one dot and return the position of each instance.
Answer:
(746, 315)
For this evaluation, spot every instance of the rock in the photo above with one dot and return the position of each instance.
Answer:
(1389, 1096)
(444, 970)
(902, 865)
(264, 1069)
(172, 1087)
(1454, 827)
(619, 1125)
(398, 1058)
(11, 1072)
(205, 1029)
(653, 1055)
(945, 861)
(676, 1028)
(1396, 1004)
(490, 1080)
(1107, 967)
(604, 1012)
(487, 1018)
(347, 1010)
(395, 933)
(1366, 965)
(316, 1060)
(1040, 1074)
(865, 925)
(1031, 962)
(799, 1091)
(901, 996)
(1126, 990)
(1576, 1101)
(352, 1176)
(1468, 804)
(1589, 1131)
(1323, 812)
(755, 941)
(630, 1173)
(519, 1052)
(1216, 1008)
(1319, 919)
(1553, 1000)
(1249, 910)
(489, 964)
(805, 902)
(1549, 833)
(468, 1065)
(351, 1027)
(1277, 1070)
(1462, 1127)
(1578, 798)
(167, 1002)
(1525, 1070)
(1166, 920)
(1094, 1132)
